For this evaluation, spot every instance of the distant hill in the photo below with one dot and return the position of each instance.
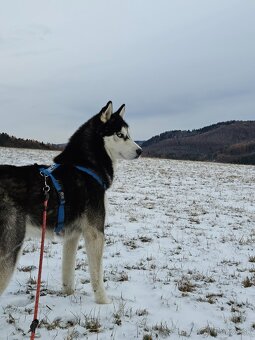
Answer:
(231, 142)
(13, 142)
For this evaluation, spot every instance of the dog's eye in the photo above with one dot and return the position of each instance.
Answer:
(120, 135)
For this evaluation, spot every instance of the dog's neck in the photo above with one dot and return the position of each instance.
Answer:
(96, 159)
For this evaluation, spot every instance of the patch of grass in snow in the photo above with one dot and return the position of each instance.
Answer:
(117, 276)
(141, 265)
(122, 277)
(58, 323)
(80, 264)
(10, 320)
(72, 335)
(252, 259)
(145, 239)
(29, 248)
(109, 240)
(197, 276)
(26, 269)
(131, 243)
(132, 219)
(208, 330)
(31, 281)
(184, 285)
(247, 240)
(231, 263)
(117, 319)
(237, 318)
(147, 337)
(142, 312)
(185, 333)
(162, 329)
(235, 306)
(92, 324)
(120, 311)
(210, 298)
(248, 282)
(85, 281)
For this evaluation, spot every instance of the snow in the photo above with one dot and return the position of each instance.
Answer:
(179, 247)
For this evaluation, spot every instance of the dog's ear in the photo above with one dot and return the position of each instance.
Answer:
(106, 112)
(121, 111)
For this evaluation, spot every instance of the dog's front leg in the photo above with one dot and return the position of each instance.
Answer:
(68, 262)
(94, 241)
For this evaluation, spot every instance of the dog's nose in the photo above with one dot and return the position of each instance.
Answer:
(138, 151)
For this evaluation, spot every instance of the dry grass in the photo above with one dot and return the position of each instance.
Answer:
(162, 330)
(208, 330)
(252, 259)
(185, 285)
(248, 282)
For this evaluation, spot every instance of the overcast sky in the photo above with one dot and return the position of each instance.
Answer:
(175, 64)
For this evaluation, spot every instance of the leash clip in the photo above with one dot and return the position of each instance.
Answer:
(46, 187)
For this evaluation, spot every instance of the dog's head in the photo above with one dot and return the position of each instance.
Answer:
(115, 132)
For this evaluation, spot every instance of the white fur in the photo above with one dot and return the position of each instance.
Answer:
(94, 242)
(119, 148)
(68, 262)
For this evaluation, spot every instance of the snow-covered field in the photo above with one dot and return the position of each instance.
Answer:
(179, 259)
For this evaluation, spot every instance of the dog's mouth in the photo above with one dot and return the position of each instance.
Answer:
(138, 153)
(122, 156)
(127, 157)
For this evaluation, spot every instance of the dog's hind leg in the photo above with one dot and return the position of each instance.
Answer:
(68, 262)
(6, 270)
(12, 234)
(94, 241)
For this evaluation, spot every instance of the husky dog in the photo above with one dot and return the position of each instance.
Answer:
(96, 145)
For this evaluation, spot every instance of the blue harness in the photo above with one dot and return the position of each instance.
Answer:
(47, 172)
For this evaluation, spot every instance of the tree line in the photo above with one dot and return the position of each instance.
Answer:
(13, 142)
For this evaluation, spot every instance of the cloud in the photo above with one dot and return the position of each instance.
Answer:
(176, 64)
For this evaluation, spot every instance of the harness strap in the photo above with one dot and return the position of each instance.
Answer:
(61, 208)
(92, 174)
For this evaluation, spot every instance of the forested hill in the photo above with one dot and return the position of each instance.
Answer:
(13, 142)
(232, 142)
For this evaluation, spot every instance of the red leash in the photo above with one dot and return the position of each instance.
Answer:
(35, 322)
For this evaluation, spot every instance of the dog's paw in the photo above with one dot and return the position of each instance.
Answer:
(103, 300)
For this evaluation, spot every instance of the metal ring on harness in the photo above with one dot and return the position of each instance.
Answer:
(46, 187)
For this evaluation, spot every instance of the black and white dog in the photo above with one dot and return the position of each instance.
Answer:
(95, 145)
